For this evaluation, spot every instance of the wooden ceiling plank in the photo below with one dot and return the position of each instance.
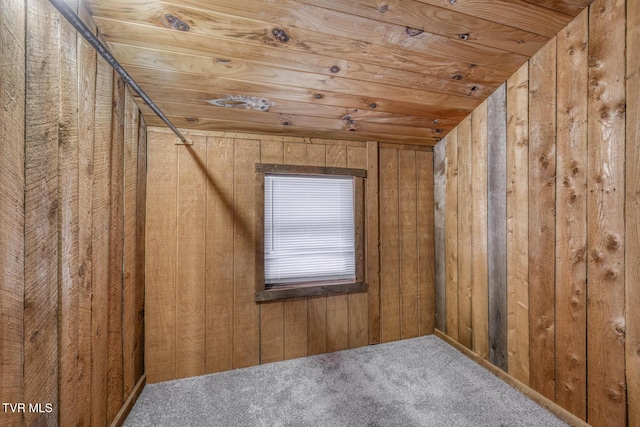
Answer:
(570, 7)
(445, 78)
(263, 129)
(297, 120)
(515, 13)
(180, 81)
(332, 27)
(169, 61)
(446, 22)
(283, 107)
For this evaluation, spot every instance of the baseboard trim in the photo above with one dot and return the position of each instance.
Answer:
(118, 421)
(541, 400)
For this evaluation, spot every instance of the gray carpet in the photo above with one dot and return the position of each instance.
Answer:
(416, 382)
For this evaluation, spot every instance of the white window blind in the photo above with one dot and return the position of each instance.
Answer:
(308, 228)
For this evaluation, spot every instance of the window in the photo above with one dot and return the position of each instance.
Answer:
(311, 232)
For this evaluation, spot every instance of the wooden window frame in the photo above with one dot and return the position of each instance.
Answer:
(309, 289)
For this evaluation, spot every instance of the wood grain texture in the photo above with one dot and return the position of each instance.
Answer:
(40, 329)
(570, 7)
(141, 213)
(408, 244)
(632, 220)
(605, 219)
(219, 259)
(542, 202)
(465, 235)
(160, 304)
(426, 245)
(479, 197)
(373, 241)
(451, 235)
(571, 217)
(102, 157)
(272, 314)
(131, 218)
(528, 16)
(358, 158)
(439, 206)
(246, 317)
(497, 226)
(191, 259)
(518, 224)
(68, 188)
(86, 135)
(12, 193)
(116, 282)
(390, 314)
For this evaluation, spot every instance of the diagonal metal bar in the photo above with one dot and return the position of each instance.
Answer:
(88, 35)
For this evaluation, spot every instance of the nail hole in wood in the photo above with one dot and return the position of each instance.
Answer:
(463, 36)
(373, 105)
(318, 96)
(475, 88)
(438, 130)
(383, 9)
(334, 69)
(286, 123)
(457, 77)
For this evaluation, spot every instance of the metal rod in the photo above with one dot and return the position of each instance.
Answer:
(86, 32)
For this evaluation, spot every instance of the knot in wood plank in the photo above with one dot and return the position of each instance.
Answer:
(172, 21)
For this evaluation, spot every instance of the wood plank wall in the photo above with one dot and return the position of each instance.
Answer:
(71, 182)
(200, 313)
(570, 213)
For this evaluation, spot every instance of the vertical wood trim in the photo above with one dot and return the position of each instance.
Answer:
(389, 250)
(141, 197)
(116, 280)
(408, 243)
(69, 267)
(542, 156)
(131, 216)
(518, 223)
(439, 206)
(479, 196)
(271, 314)
(102, 156)
(451, 233)
(497, 226)
(12, 191)
(191, 259)
(219, 250)
(246, 341)
(86, 130)
(41, 212)
(605, 204)
(160, 268)
(358, 304)
(373, 241)
(465, 235)
(571, 217)
(632, 254)
(426, 256)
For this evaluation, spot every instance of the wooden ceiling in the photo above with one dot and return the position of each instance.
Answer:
(403, 71)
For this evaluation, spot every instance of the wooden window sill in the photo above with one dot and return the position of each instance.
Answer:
(312, 290)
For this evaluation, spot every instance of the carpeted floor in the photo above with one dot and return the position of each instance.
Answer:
(417, 382)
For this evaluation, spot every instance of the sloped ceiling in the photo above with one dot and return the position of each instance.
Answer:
(403, 71)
